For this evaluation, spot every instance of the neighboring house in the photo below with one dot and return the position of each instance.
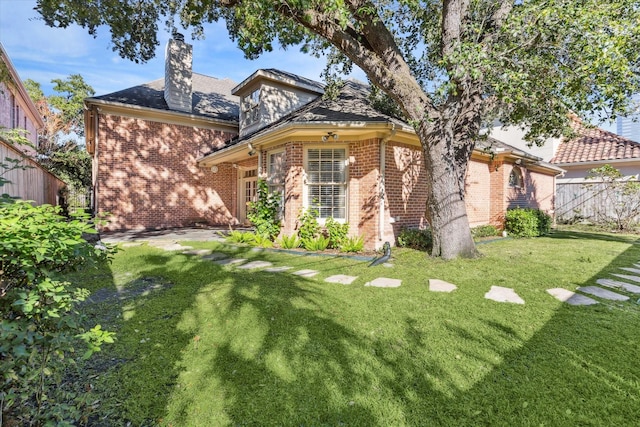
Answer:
(17, 112)
(629, 126)
(590, 148)
(160, 166)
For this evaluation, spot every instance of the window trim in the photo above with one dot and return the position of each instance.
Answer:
(305, 191)
(251, 105)
(520, 177)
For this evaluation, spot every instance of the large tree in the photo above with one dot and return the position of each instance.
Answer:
(60, 143)
(450, 65)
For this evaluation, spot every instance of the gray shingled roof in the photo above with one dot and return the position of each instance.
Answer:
(352, 105)
(211, 97)
(299, 79)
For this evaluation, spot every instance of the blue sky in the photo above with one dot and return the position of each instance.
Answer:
(42, 53)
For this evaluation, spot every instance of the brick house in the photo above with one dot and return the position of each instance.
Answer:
(17, 112)
(159, 165)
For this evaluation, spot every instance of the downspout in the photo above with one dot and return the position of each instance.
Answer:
(383, 191)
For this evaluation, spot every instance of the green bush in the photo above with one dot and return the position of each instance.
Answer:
(264, 213)
(485, 231)
(236, 236)
(415, 239)
(40, 327)
(352, 244)
(262, 241)
(527, 222)
(289, 242)
(319, 243)
(336, 232)
(308, 227)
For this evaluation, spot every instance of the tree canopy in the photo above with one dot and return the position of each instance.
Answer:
(60, 143)
(451, 66)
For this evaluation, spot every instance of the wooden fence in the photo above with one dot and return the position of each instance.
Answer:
(577, 201)
(33, 183)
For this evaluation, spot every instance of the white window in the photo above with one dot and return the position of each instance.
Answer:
(251, 108)
(276, 174)
(515, 178)
(327, 182)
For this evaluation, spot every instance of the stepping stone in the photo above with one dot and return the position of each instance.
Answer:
(197, 252)
(437, 285)
(500, 294)
(215, 256)
(341, 278)
(631, 270)
(569, 297)
(388, 265)
(171, 246)
(619, 285)
(305, 273)
(255, 264)
(602, 293)
(626, 277)
(384, 282)
(231, 261)
(277, 269)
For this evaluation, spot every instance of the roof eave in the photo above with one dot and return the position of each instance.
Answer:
(161, 113)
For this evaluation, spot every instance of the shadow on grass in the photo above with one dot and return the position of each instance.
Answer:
(230, 347)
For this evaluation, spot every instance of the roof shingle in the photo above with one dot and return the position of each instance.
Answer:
(211, 97)
(592, 144)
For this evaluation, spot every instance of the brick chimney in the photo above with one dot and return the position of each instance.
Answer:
(177, 74)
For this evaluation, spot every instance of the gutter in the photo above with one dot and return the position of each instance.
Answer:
(382, 188)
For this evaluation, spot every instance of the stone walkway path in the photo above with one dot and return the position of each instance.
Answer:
(608, 289)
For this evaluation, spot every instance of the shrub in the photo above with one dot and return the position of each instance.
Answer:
(40, 326)
(262, 241)
(289, 242)
(319, 243)
(485, 231)
(236, 236)
(352, 244)
(415, 239)
(264, 213)
(527, 222)
(308, 227)
(336, 232)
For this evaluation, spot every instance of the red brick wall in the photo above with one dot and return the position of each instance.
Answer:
(478, 187)
(363, 190)
(294, 158)
(147, 175)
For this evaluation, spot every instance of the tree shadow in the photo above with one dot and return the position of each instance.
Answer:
(229, 346)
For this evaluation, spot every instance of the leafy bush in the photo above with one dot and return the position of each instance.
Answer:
(289, 242)
(352, 244)
(415, 239)
(265, 212)
(308, 227)
(319, 243)
(527, 222)
(336, 232)
(236, 236)
(40, 326)
(262, 241)
(485, 231)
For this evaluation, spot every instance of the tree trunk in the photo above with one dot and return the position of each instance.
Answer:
(447, 152)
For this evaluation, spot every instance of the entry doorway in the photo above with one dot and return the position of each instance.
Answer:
(248, 192)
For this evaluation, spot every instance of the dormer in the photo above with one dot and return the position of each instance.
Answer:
(268, 95)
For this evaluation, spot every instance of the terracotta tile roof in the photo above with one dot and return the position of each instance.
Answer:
(592, 144)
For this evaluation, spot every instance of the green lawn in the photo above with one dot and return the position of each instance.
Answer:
(219, 346)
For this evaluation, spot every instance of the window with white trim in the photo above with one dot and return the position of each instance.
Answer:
(251, 108)
(515, 178)
(276, 174)
(327, 182)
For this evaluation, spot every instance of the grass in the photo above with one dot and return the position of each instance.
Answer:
(215, 346)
